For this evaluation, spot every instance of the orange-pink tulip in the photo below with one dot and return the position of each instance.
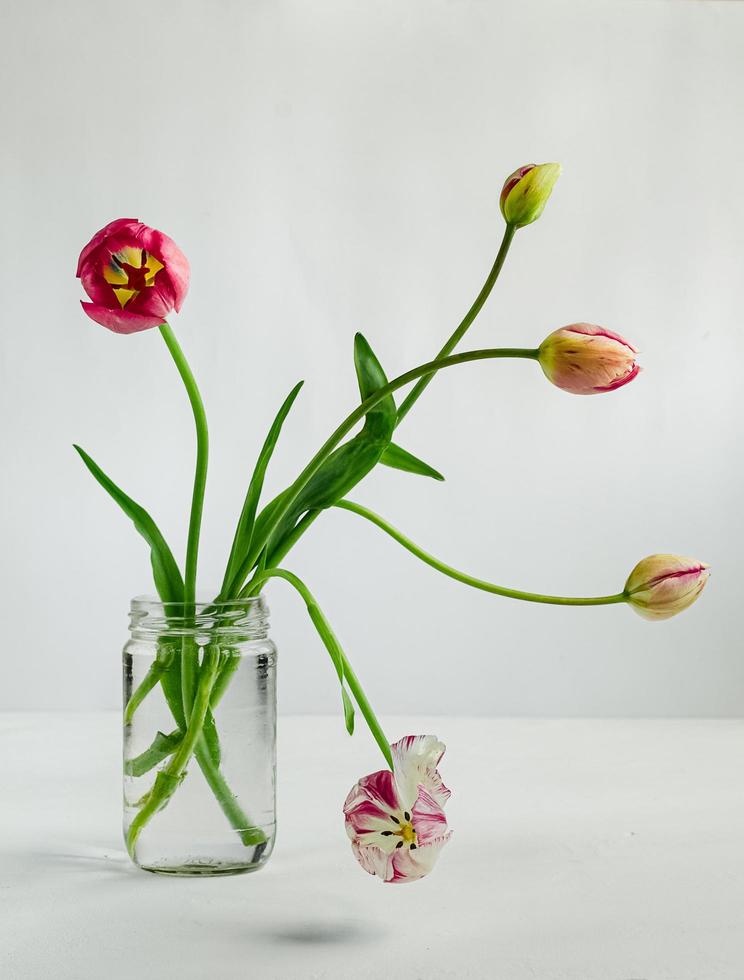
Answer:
(585, 359)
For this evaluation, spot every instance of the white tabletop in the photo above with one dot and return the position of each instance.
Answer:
(582, 850)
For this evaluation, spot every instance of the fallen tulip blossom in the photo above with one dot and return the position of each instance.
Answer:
(396, 820)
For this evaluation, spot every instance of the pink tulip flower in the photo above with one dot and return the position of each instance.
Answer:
(585, 359)
(134, 276)
(395, 820)
(660, 586)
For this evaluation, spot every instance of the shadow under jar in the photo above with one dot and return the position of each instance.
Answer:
(199, 737)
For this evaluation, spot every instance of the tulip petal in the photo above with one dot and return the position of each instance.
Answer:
(374, 860)
(175, 262)
(415, 760)
(408, 865)
(119, 224)
(120, 321)
(428, 818)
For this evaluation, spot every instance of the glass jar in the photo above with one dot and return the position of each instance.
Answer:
(199, 737)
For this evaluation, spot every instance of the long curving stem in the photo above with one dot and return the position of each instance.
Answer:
(334, 648)
(418, 389)
(475, 583)
(189, 654)
(431, 367)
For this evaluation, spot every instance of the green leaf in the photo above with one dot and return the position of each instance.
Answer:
(165, 571)
(370, 376)
(348, 464)
(348, 711)
(401, 459)
(162, 746)
(330, 642)
(244, 531)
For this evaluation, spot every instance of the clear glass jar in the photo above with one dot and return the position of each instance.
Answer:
(199, 737)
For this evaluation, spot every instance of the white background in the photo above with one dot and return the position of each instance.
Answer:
(333, 167)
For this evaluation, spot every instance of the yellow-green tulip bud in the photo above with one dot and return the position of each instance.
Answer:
(526, 192)
(660, 586)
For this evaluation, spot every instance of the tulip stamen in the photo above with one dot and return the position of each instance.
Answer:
(129, 272)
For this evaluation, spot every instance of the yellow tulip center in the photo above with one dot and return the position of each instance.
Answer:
(129, 271)
(404, 830)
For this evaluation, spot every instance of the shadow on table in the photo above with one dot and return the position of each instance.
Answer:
(72, 859)
(320, 933)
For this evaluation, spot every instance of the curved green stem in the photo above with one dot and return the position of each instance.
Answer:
(202, 458)
(189, 652)
(292, 492)
(169, 778)
(335, 650)
(476, 583)
(419, 388)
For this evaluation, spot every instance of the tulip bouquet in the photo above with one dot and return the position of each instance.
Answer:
(135, 277)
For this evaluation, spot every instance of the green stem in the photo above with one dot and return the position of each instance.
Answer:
(476, 583)
(292, 492)
(189, 654)
(418, 389)
(202, 458)
(147, 683)
(169, 778)
(291, 539)
(366, 708)
(240, 822)
(334, 648)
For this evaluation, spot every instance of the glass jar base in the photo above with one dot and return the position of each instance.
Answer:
(204, 870)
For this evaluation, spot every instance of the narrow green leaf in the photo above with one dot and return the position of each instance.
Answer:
(348, 464)
(348, 711)
(330, 642)
(168, 581)
(328, 637)
(400, 459)
(244, 531)
(162, 746)
(370, 376)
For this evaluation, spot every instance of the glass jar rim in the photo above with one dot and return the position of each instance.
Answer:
(241, 617)
(203, 603)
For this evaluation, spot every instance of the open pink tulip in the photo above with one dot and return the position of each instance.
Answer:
(585, 359)
(660, 586)
(134, 276)
(395, 819)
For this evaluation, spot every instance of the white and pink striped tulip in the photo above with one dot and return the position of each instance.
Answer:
(661, 586)
(396, 820)
(585, 359)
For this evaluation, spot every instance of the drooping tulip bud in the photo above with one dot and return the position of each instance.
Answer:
(660, 586)
(525, 193)
(585, 359)
(134, 276)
